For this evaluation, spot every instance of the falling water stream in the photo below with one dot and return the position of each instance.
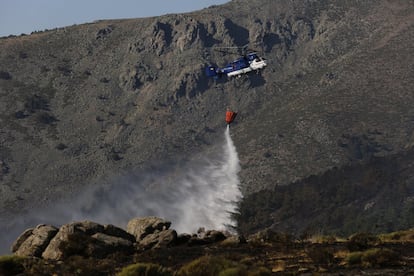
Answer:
(201, 192)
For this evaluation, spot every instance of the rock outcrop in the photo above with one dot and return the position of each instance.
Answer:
(34, 241)
(159, 239)
(206, 237)
(141, 227)
(88, 239)
(152, 232)
(79, 238)
(93, 240)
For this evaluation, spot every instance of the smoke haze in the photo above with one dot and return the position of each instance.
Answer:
(201, 192)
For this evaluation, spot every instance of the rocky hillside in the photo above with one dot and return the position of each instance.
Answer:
(150, 247)
(376, 196)
(84, 103)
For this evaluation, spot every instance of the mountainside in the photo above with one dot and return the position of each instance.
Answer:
(84, 103)
(373, 197)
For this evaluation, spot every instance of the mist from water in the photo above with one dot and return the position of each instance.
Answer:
(200, 192)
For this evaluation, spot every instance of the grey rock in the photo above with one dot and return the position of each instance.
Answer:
(207, 237)
(35, 241)
(141, 227)
(235, 239)
(88, 227)
(160, 239)
(88, 239)
(107, 244)
(54, 250)
(18, 242)
(68, 236)
(111, 241)
(115, 231)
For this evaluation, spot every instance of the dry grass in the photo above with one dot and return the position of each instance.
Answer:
(399, 236)
(373, 257)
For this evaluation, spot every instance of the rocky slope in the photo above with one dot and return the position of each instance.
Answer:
(150, 247)
(83, 103)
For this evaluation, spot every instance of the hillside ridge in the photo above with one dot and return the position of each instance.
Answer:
(83, 105)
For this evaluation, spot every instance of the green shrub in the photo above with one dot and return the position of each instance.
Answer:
(11, 265)
(329, 239)
(362, 241)
(271, 236)
(320, 255)
(144, 269)
(260, 271)
(215, 265)
(241, 270)
(206, 266)
(354, 258)
(401, 236)
(380, 257)
(374, 257)
(233, 271)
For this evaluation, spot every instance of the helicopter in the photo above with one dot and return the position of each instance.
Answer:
(248, 62)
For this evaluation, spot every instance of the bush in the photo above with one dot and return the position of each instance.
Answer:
(61, 146)
(362, 241)
(35, 103)
(260, 271)
(212, 266)
(354, 258)
(374, 257)
(11, 265)
(400, 236)
(329, 239)
(144, 269)
(5, 75)
(206, 266)
(233, 271)
(320, 255)
(380, 257)
(242, 271)
(270, 236)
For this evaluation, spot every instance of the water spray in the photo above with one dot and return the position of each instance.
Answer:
(202, 192)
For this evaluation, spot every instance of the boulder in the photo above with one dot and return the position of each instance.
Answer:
(235, 239)
(88, 227)
(54, 250)
(73, 238)
(160, 239)
(207, 237)
(18, 242)
(88, 239)
(115, 231)
(102, 33)
(106, 244)
(214, 236)
(112, 241)
(142, 227)
(33, 241)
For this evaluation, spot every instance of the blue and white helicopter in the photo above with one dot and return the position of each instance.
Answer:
(247, 63)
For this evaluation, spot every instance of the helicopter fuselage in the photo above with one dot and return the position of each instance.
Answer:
(255, 65)
(250, 62)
